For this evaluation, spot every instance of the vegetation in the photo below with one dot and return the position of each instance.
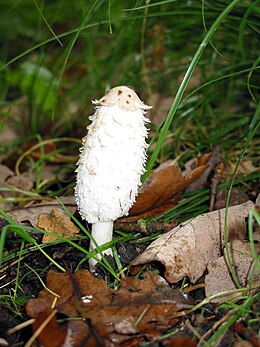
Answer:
(57, 56)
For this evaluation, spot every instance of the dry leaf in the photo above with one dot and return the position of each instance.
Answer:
(58, 332)
(21, 183)
(211, 159)
(181, 342)
(245, 168)
(5, 172)
(57, 222)
(164, 182)
(187, 249)
(219, 278)
(236, 197)
(31, 213)
(111, 313)
(15, 186)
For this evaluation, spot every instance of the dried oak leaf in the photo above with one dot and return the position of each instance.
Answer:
(111, 313)
(31, 213)
(57, 222)
(219, 278)
(187, 249)
(164, 182)
(58, 332)
(211, 159)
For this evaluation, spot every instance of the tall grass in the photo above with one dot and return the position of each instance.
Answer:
(56, 56)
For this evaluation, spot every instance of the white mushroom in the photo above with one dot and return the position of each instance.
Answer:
(111, 162)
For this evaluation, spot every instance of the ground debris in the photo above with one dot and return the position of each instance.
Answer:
(162, 186)
(140, 306)
(187, 249)
(57, 222)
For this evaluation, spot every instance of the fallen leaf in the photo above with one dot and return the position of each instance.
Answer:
(20, 184)
(219, 278)
(14, 186)
(211, 159)
(5, 172)
(195, 175)
(57, 222)
(31, 213)
(181, 342)
(58, 332)
(136, 306)
(163, 184)
(245, 168)
(236, 197)
(187, 249)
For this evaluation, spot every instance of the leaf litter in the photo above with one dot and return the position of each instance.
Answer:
(57, 222)
(220, 279)
(138, 310)
(187, 249)
(143, 306)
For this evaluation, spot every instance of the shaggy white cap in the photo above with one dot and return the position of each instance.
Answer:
(112, 157)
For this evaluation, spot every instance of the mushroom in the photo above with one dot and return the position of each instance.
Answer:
(111, 162)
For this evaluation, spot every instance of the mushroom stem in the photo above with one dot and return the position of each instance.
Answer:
(102, 232)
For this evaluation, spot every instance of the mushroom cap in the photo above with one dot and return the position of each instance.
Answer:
(113, 156)
(125, 97)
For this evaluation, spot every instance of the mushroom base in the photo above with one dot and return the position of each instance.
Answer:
(101, 232)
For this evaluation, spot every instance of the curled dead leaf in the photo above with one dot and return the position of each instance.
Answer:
(163, 185)
(187, 249)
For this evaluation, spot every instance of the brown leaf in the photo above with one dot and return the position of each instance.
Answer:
(236, 197)
(154, 211)
(5, 172)
(203, 159)
(162, 184)
(209, 159)
(31, 213)
(57, 222)
(193, 175)
(16, 186)
(219, 278)
(57, 331)
(181, 342)
(187, 249)
(19, 183)
(110, 312)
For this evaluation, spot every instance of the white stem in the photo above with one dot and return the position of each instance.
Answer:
(102, 232)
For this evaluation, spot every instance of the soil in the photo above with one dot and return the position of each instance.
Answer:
(13, 308)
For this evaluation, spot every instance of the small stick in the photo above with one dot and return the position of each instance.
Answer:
(219, 168)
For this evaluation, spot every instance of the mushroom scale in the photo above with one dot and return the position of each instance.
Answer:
(112, 159)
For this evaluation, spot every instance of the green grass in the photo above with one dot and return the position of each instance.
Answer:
(57, 56)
